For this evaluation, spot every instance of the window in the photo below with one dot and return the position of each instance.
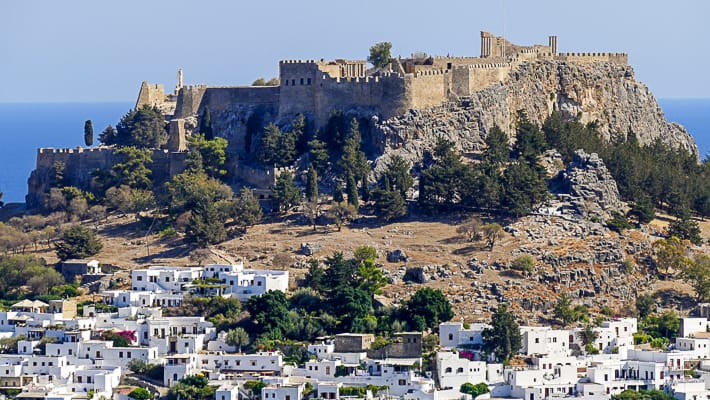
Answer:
(128, 354)
(309, 81)
(139, 278)
(402, 382)
(459, 370)
(301, 81)
(448, 370)
(451, 336)
(537, 340)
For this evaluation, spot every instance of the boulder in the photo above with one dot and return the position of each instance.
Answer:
(397, 255)
(310, 249)
(591, 188)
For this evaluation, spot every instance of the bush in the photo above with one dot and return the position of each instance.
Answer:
(523, 263)
(590, 349)
(474, 390)
(140, 394)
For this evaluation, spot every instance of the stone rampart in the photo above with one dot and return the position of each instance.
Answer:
(188, 101)
(260, 177)
(81, 163)
(617, 58)
(428, 88)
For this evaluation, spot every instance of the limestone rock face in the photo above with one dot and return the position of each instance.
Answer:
(600, 91)
(592, 189)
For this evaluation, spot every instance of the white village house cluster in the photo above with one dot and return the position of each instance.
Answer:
(77, 363)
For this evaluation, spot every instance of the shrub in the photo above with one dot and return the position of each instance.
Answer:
(523, 263)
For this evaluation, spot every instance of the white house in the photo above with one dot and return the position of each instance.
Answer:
(244, 283)
(543, 340)
(453, 371)
(454, 334)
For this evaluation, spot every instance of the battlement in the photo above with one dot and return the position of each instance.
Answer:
(300, 62)
(431, 72)
(481, 66)
(70, 150)
(619, 58)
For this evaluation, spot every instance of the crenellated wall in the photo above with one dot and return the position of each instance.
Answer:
(617, 58)
(81, 163)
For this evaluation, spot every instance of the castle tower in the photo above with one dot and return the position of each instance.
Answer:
(552, 40)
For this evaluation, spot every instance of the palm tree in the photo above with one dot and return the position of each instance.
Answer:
(237, 337)
(588, 335)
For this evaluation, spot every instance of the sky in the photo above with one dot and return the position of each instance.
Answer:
(96, 51)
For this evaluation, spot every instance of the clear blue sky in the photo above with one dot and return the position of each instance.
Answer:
(88, 50)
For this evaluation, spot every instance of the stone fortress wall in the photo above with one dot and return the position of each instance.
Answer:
(80, 163)
(313, 88)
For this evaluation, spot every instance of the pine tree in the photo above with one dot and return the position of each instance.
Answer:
(312, 184)
(88, 133)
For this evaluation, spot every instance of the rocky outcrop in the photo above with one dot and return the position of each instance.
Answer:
(600, 91)
(591, 188)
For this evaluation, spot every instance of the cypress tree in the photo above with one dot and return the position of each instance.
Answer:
(88, 133)
(206, 124)
(312, 184)
(338, 193)
(351, 189)
(365, 190)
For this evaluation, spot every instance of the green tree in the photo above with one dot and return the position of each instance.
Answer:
(212, 154)
(78, 242)
(588, 335)
(685, 228)
(697, 272)
(340, 273)
(491, 232)
(284, 193)
(529, 141)
(524, 187)
(670, 254)
(342, 214)
(380, 54)
(190, 191)
(133, 168)
(503, 338)
(269, 313)
(351, 305)
(427, 308)
(445, 183)
(563, 310)
(370, 277)
(397, 173)
(246, 210)
(109, 135)
(645, 304)
(142, 128)
(276, 147)
(363, 253)
(238, 338)
(206, 124)
(338, 193)
(389, 204)
(88, 133)
(643, 209)
(318, 155)
(206, 226)
(351, 189)
(312, 184)
(315, 277)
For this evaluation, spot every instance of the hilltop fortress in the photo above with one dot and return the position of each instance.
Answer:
(403, 107)
(315, 88)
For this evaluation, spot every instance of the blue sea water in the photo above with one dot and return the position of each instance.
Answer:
(24, 127)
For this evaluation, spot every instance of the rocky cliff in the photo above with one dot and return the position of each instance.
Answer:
(600, 91)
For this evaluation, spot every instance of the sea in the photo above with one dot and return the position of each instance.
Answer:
(25, 127)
